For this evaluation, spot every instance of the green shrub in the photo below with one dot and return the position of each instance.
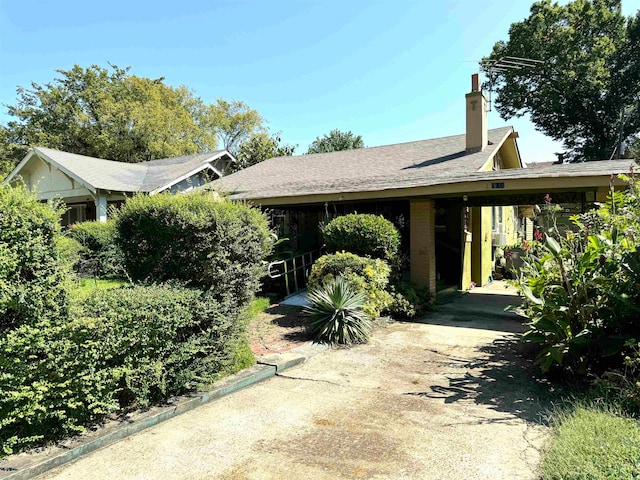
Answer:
(336, 313)
(101, 256)
(367, 275)
(621, 386)
(210, 244)
(409, 301)
(591, 442)
(33, 280)
(363, 234)
(69, 252)
(123, 347)
(582, 295)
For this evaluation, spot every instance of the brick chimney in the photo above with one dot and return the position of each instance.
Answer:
(477, 125)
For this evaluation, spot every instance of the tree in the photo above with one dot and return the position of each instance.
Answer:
(108, 113)
(259, 147)
(6, 154)
(586, 92)
(234, 122)
(335, 141)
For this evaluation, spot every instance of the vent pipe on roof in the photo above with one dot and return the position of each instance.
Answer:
(477, 123)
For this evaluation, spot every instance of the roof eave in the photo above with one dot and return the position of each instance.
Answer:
(66, 171)
(16, 170)
(205, 164)
(448, 187)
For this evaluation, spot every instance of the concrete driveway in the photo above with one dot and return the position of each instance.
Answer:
(451, 398)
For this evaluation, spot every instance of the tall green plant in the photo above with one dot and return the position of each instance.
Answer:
(581, 287)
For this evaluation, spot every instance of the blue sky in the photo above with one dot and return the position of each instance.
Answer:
(391, 71)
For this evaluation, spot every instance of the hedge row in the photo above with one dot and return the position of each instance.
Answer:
(62, 369)
(100, 255)
(33, 281)
(122, 348)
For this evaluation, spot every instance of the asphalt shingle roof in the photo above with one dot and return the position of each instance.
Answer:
(375, 168)
(127, 177)
(405, 165)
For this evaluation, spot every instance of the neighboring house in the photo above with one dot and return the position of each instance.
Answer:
(89, 185)
(441, 193)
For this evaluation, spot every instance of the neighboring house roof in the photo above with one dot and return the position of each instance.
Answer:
(401, 165)
(542, 164)
(151, 176)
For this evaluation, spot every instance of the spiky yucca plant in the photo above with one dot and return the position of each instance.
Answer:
(335, 314)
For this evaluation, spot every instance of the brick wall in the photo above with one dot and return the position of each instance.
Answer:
(422, 244)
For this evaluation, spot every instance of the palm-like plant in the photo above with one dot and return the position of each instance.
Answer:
(335, 314)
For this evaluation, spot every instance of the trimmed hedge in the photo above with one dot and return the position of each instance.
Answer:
(363, 234)
(206, 243)
(123, 348)
(101, 256)
(33, 280)
(367, 275)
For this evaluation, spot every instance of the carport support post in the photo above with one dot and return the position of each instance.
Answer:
(422, 255)
(481, 241)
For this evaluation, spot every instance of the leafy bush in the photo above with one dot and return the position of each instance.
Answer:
(123, 347)
(335, 314)
(363, 234)
(101, 256)
(362, 274)
(621, 386)
(69, 252)
(207, 243)
(33, 280)
(409, 301)
(581, 288)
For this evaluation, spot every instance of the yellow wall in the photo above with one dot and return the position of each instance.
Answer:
(481, 219)
(509, 224)
(467, 237)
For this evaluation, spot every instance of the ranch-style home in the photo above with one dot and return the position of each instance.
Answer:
(90, 185)
(453, 198)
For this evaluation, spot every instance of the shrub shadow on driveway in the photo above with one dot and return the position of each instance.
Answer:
(503, 378)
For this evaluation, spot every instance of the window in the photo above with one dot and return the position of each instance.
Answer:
(74, 214)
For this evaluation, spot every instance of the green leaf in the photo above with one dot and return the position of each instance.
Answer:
(530, 296)
(553, 245)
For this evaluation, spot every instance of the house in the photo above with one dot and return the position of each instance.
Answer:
(90, 185)
(442, 193)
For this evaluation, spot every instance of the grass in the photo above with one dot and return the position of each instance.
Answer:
(592, 442)
(256, 307)
(244, 357)
(84, 286)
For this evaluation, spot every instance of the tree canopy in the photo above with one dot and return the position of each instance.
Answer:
(586, 92)
(109, 113)
(235, 123)
(335, 141)
(259, 147)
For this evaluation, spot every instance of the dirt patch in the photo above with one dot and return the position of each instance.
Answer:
(278, 329)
